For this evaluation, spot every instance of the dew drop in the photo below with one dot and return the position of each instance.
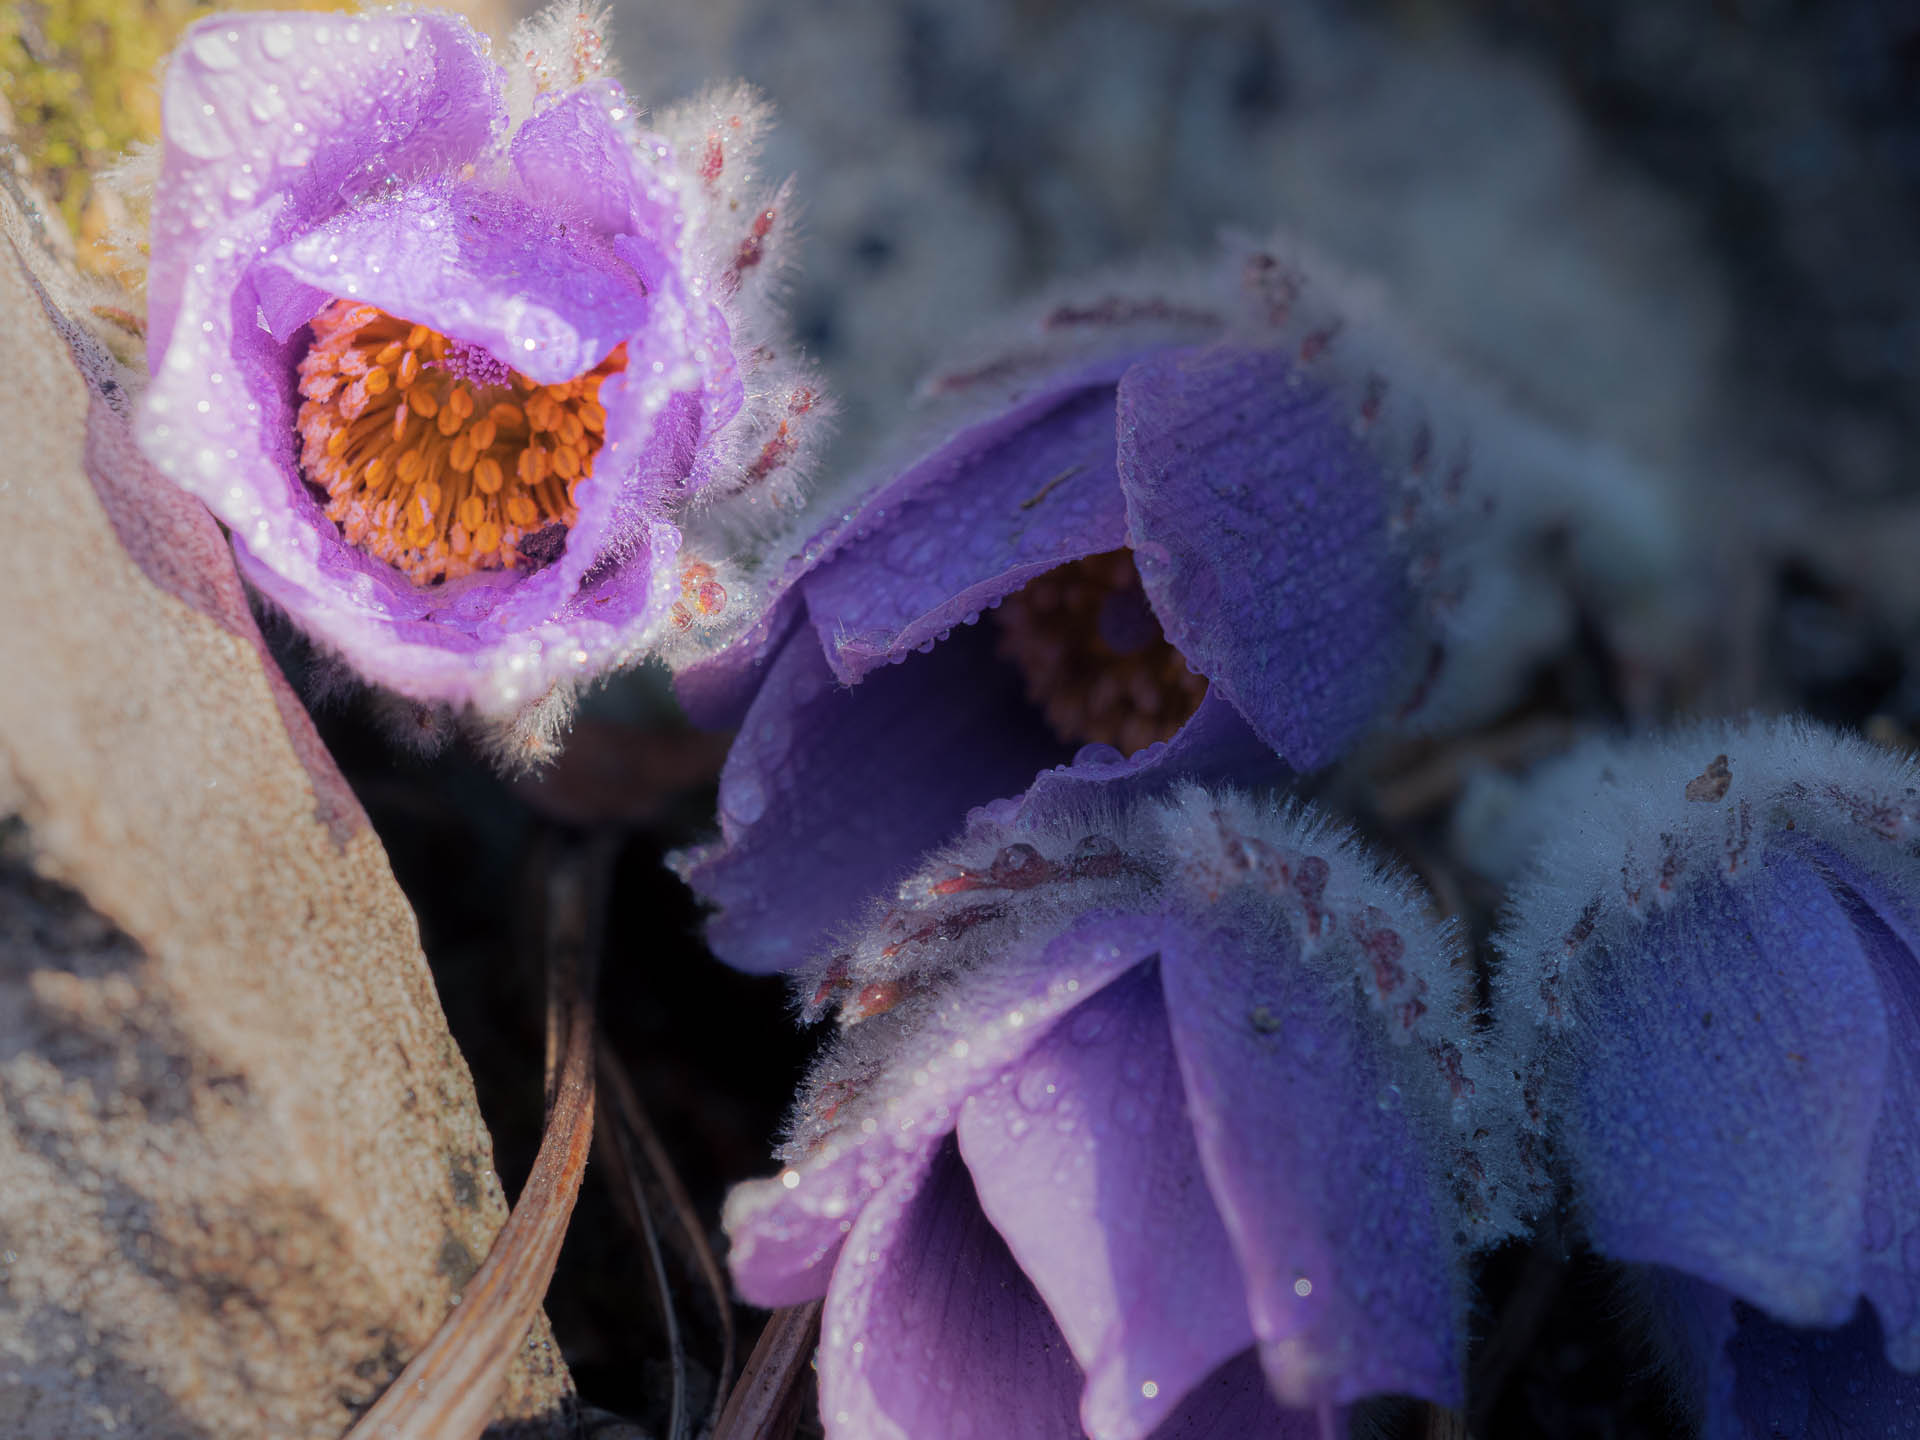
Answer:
(214, 52)
(276, 41)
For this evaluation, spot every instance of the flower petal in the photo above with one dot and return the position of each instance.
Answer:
(930, 1327)
(548, 297)
(1259, 525)
(787, 1231)
(1831, 1384)
(1083, 1159)
(1235, 1404)
(1888, 935)
(980, 517)
(1214, 746)
(1317, 1169)
(272, 122)
(829, 795)
(1726, 1076)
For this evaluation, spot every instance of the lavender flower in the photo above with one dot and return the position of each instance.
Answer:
(1717, 961)
(451, 383)
(1139, 1112)
(1213, 523)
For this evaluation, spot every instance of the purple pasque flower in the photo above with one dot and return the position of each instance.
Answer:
(1173, 1118)
(1171, 532)
(1712, 976)
(450, 381)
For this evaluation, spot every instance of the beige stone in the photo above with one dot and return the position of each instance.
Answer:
(242, 1175)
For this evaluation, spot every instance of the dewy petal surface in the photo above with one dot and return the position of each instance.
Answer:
(830, 794)
(1002, 503)
(930, 1328)
(1083, 1159)
(1728, 1072)
(1259, 524)
(546, 296)
(273, 121)
(1317, 1169)
(786, 1232)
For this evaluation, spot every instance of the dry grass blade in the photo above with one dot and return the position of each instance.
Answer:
(632, 1195)
(1445, 1424)
(624, 1112)
(449, 1390)
(765, 1405)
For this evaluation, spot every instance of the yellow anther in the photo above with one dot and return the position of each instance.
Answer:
(401, 491)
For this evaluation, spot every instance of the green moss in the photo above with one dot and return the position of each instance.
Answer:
(80, 77)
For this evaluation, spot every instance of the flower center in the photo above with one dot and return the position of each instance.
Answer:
(1093, 655)
(435, 456)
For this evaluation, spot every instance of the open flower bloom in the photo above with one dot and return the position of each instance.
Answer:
(1717, 958)
(1176, 1121)
(1172, 532)
(449, 383)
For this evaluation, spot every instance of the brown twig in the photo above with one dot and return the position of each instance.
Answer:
(626, 1120)
(765, 1405)
(449, 1390)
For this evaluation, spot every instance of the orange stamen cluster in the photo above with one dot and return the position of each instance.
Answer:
(1094, 658)
(437, 466)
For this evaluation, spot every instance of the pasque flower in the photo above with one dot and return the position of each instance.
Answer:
(1174, 1120)
(1713, 975)
(451, 381)
(1208, 519)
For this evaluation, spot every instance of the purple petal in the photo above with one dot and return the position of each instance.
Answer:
(717, 690)
(1083, 1160)
(545, 295)
(1215, 746)
(976, 520)
(830, 795)
(930, 1327)
(1817, 1384)
(1323, 1184)
(272, 122)
(574, 155)
(787, 1231)
(1727, 1076)
(1235, 1404)
(1886, 925)
(1258, 522)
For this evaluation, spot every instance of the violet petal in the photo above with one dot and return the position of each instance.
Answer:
(1000, 504)
(1234, 1403)
(1259, 525)
(1728, 1073)
(830, 795)
(930, 1327)
(1084, 1161)
(1325, 1190)
(272, 122)
(546, 296)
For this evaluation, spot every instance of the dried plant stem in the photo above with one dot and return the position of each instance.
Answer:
(765, 1405)
(449, 1390)
(627, 1130)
